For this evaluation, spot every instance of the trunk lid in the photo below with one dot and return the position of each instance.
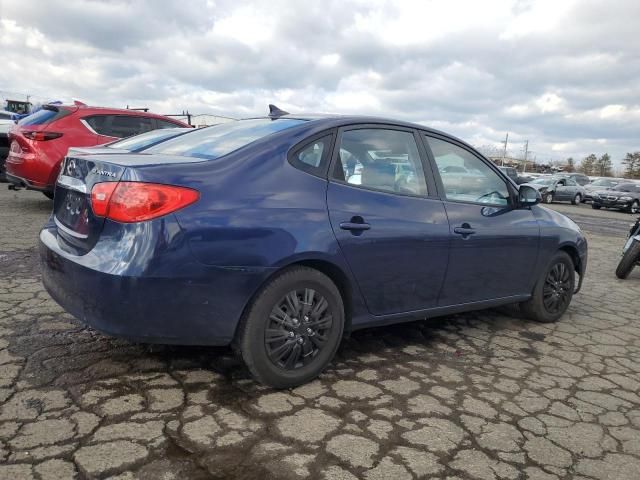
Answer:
(78, 227)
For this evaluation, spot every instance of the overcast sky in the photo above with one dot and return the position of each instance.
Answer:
(563, 74)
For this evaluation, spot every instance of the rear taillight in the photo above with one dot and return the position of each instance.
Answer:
(129, 202)
(42, 136)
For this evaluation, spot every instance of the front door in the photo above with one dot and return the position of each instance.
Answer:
(394, 236)
(494, 246)
(566, 189)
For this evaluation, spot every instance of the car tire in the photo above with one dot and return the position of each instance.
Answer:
(547, 197)
(596, 207)
(577, 200)
(628, 260)
(557, 278)
(635, 207)
(264, 334)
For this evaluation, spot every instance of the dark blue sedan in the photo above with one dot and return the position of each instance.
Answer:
(279, 234)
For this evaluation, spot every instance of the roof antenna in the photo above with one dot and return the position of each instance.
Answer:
(275, 112)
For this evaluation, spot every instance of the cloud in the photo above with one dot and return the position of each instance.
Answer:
(562, 75)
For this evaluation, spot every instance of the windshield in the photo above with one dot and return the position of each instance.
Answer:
(602, 182)
(625, 187)
(544, 181)
(139, 142)
(219, 140)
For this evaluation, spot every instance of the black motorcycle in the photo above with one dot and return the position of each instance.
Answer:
(630, 252)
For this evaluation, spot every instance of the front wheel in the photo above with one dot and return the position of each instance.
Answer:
(553, 291)
(577, 200)
(628, 260)
(635, 207)
(292, 329)
(547, 198)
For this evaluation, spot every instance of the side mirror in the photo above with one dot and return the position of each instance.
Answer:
(528, 196)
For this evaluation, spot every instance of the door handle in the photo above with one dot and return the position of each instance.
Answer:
(465, 230)
(358, 227)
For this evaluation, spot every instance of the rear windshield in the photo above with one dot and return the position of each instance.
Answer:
(219, 140)
(139, 142)
(44, 116)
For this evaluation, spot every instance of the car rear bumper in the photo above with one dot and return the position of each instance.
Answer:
(188, 303)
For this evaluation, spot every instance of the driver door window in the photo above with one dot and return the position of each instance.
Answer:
(465, 177)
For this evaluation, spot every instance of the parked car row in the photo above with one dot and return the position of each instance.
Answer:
(39, 142)
(603, 192)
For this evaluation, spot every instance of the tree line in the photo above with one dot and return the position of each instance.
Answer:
(603, 166)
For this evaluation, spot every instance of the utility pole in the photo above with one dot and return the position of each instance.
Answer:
(526, 151)
(504, 152)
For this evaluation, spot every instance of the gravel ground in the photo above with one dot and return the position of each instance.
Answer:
(482, 395)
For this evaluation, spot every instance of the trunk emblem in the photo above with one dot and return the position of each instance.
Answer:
(104, 173)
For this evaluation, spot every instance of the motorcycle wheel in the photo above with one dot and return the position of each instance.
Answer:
(628, 260)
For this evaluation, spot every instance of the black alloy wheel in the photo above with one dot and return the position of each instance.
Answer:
(292, 329)
(553, 291)
(298, 329)
(557, 289)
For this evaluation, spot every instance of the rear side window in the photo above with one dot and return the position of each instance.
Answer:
(127, 125)
(44, 116)
(98, 123)
(381, 159)
(313, 156)
(166, 124)
(219, 140)
(120, 126)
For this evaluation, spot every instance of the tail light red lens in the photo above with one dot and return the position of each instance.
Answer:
(42, 136)
(130, 202)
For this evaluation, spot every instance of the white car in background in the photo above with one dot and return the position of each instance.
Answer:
(6, 122)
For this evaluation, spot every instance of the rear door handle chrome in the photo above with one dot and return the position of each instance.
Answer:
(354, 226)
(465, 230)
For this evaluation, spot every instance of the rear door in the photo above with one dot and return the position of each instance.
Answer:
(494, 246)
(390, 225)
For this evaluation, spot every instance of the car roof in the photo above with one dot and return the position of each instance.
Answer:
(332, 120)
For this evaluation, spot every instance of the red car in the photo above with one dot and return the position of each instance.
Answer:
(39, 142)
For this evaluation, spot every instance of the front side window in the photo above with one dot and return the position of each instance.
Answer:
(472, 180)
(214, 142)
(381, 159)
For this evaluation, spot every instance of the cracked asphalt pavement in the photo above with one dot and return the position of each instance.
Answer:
(485, 395)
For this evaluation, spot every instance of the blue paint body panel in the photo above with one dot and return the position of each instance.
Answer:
(187, 277)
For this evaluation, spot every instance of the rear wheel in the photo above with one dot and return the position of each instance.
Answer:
(292, 329)
(553, 291)
(577, 200)
(596, 206)
(628, 260)
(548, 197)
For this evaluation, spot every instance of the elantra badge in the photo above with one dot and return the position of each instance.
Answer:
(105, 173)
